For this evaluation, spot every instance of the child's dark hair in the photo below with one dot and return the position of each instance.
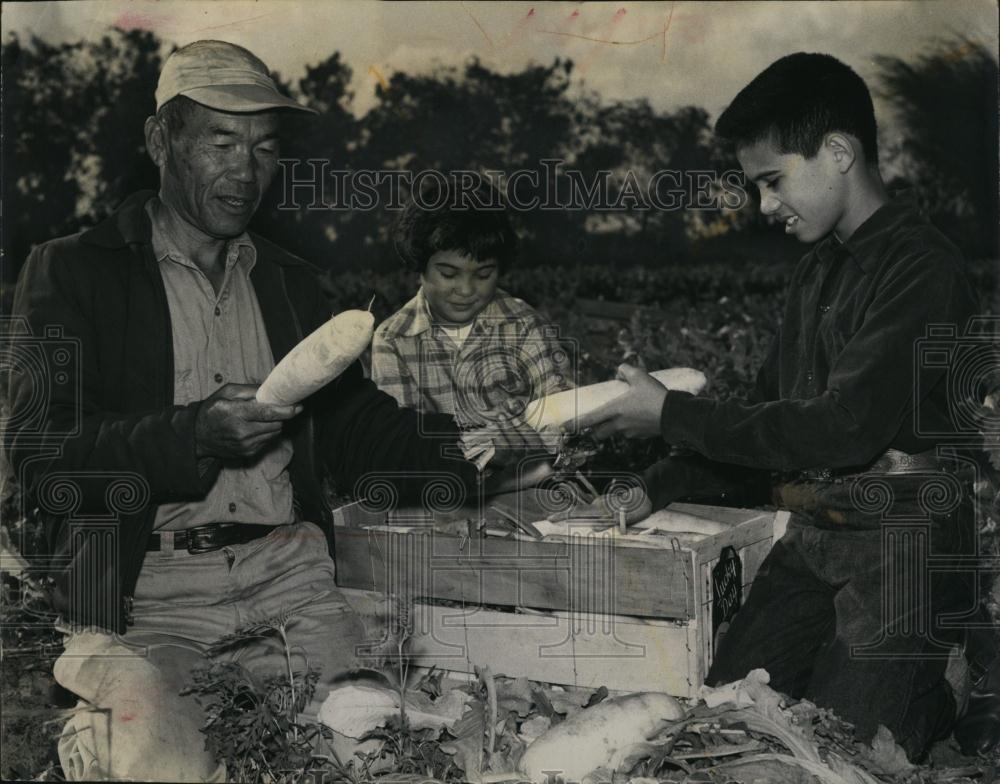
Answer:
(796, 101)
(444, 216)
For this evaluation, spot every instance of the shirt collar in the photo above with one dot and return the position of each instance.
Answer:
(239, 250)
(867, 242)
(418, 314)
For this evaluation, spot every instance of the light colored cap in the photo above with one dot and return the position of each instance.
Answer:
(221, 76)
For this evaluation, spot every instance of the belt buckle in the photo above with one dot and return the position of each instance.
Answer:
(814, 475)
(201, 539)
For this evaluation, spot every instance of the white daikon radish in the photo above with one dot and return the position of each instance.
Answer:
(318, 359)
(682, 522)
(590, 738)
(565, 407)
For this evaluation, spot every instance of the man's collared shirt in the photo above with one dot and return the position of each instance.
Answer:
(845, 378)
(220, 338)
(508, 358)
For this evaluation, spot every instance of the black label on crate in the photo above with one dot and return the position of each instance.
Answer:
(727, 587)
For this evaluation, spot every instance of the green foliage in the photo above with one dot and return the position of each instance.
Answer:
(30, 645)
(391, 660)
(253, 723)
(77, 148)
(410, 751)
(946, 99)
(718, 318)
(77, 144)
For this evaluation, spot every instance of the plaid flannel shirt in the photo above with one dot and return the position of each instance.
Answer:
(510, 357)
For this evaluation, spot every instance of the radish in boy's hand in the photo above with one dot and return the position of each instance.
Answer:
(573, 405)
(319, 358)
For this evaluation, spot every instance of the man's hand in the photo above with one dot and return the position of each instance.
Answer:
(231, 424)
(635, 414)
(606, 508)
(514, 477)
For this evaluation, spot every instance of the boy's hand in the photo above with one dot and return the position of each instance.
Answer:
(635, 414)
(231, 424)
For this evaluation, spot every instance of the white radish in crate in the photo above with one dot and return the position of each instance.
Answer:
(318, 358)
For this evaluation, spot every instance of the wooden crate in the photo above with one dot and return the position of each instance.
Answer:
(581, 612)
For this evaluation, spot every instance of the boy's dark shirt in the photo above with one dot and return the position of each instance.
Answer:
(839, 386)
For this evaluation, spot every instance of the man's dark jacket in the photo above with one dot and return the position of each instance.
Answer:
(94, 437)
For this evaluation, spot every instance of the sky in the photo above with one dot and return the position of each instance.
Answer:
(671, 53)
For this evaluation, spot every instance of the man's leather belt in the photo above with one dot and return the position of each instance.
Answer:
(896, 462)
(206, 538)
(892, 462)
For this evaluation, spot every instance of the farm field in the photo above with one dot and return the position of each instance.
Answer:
(639, 239)
(716, 318)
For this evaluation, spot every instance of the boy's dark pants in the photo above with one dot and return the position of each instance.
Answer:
(851, 619)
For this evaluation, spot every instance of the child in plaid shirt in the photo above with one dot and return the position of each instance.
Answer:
(462, 346)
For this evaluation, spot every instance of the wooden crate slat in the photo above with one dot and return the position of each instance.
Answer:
(742, 536)
(720, 514)
(672, 655)
(547, 575)
(614, 652)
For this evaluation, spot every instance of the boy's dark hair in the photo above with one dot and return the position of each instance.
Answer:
(796, 101)
(444, 216)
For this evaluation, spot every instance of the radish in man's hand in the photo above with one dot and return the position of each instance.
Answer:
(319, 358)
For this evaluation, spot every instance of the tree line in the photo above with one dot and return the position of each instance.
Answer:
(73, 147)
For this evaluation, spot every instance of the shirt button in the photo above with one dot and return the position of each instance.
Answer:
(218, 378)
(218, 311)
(232, 506)
(809, 376)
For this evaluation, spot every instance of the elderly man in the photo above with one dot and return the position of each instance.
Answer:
(179, 313)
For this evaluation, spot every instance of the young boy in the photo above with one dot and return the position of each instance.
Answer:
(839, 409)
(463, 346)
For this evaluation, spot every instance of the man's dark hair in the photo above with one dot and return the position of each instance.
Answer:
(443, 215)
(175, 113)
(796, 101)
